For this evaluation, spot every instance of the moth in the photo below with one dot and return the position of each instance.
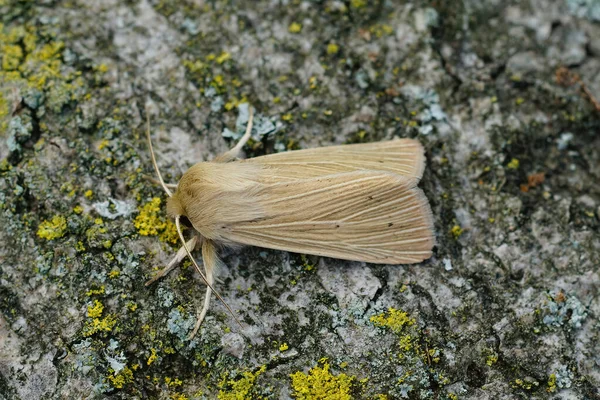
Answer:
(355, 202)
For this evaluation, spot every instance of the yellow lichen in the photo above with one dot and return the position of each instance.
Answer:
(513, 164)
(395, 320)
(92, 292)
(284, 347)
(153, 356)
(12, 57)
(491, 359)
(551, 383)
(122, 378)
(405, 342)
(295, 27)
(4, 112)
(149, 222)
(332, 48)
(380, 30)
(53, 229)
(358, 4)
(34, 61)
(96, 325)
(456, 231)
(169, 235)
(95, 310)
(171, 382)
(223, 57)
(319, 383)
(240, 389)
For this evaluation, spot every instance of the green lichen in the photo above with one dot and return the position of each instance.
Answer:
(320, 384)
(53, 229)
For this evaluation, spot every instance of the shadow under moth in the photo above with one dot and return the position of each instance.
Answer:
(354, 202)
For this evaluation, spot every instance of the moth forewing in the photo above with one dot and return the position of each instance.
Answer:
(400, 156)
(371, 216)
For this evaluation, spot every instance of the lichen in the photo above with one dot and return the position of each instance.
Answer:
(320, 383)
(295, 27)
(95, 310)
(513, 164)
(53, 229)
(332, 48)
(231, 389)
(122, 378)
(153, 357)
(395, 320)
(151, 222)
(562, 310)
(95, 324)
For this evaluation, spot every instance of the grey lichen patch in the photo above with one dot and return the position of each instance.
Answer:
(512, 172)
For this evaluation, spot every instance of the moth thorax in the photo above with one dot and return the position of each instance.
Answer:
(174, 206)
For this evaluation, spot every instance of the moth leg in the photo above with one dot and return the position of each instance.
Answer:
(210, 260)
(235, 151)
(181, 254)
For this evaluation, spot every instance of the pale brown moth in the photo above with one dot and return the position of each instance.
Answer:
(354, 202)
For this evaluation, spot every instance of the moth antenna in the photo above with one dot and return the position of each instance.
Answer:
(178, 226)
(162, 182)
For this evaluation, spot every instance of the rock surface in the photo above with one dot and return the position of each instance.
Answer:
(504, 96)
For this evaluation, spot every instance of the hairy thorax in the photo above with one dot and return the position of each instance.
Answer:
(215, 195)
